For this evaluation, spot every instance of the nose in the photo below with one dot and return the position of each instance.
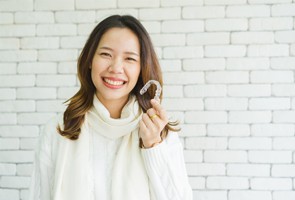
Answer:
(116, 66)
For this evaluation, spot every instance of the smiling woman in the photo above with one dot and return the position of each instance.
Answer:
(112, 143)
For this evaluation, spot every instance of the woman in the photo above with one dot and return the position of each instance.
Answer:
(112, 142)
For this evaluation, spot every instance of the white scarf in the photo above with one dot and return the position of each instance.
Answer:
(73, 177)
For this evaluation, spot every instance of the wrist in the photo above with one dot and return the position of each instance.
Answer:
(150, 144)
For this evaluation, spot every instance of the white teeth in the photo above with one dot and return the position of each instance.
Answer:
(113, 82)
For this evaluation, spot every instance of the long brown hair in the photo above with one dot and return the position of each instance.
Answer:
(82, 101)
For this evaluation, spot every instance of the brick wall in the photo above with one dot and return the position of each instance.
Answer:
(229, 78)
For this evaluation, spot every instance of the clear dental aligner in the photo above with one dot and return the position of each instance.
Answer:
(158, 90)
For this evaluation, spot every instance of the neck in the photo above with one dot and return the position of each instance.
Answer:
(114, 106)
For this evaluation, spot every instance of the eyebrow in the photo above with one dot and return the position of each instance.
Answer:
(127, 52)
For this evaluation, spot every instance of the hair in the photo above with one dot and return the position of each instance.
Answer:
(82, 101)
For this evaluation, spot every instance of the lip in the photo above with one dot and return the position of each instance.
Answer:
(113, 79)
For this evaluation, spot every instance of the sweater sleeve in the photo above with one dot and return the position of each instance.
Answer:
(165, 167)
(40, 187)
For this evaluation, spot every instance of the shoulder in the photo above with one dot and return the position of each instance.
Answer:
(172, 138)
(49, 132)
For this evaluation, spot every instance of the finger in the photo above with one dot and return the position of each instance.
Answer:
(160, 110)
(148, 122)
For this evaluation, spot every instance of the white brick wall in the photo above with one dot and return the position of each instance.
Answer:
(229, 78)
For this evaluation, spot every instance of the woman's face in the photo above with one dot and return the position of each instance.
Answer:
(116, 65)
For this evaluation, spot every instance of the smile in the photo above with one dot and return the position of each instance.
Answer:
(113, 83)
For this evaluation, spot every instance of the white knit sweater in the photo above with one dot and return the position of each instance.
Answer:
(164, 165)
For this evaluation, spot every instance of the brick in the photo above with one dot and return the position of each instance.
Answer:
(37, 68)
(203, 64)
(169, 3)
(274, 50)
(183, 78)
(85, 29)
(15, 182)
(252, 90)
(284, 143)
(282, 63)
(268, 1)
(9, 43)
(226, 104)
(15, 5)
(271, 183)
(250, 116)
(283, 170)
(17, 30)
(19, 131)
(40, 43)
(152, 26)
(56, 29)
(269, 104)
(75, 16)
(66, 92)
(50, 106)
(205, 90)
(226, 24)
(193, 130)
(201, 143)
(54, 5)
(283, 90)
(7, 169)
(182, 52)
(274, 23)
(283, 195)
(17, 80)
(160, 13)
(270, 156)
(16, 156)
(73, 42)
(225, 51)
(200, 117)
(272, 130)
(285, 36)
(138, 4)
(6, 18)
(36, 93)
(227, 183)
(182, 26)
(250, 143)
(197, 182)
(248, 11)
(224, 2)
(170, 65)
(17, 106)
(172, 91)
(248, 170)
(28, 143)
(227, 77)
(183, 104)
(102, 14)
(283, 10)
(210, 194)
(247, 63)
(205, 169)
(24, 169)
(7, 68)
(233, 130)
(9, 143)
(161, 40)
(191, 156)
(292, 51)
(35, 17)
(67, 67)
(94, 4)
(18, 55)
(34, 118)
(203, 12)
(284, 116)
(176, 116)
(7, 93)
(207, 38)
(24, 193)
(243, 195)
(58, 55)
(10, 194)
(252, 38)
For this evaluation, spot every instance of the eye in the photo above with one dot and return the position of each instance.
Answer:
(105, 54)
(130, 59)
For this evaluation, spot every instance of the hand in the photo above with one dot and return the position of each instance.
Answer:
(152, 124)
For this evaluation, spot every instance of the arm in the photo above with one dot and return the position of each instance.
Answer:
(165, 167)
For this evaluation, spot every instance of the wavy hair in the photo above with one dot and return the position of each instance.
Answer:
(82, 101)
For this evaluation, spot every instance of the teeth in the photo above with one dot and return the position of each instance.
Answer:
(113, 82)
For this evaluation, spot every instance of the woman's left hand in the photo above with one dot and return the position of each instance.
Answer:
(152, 124)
